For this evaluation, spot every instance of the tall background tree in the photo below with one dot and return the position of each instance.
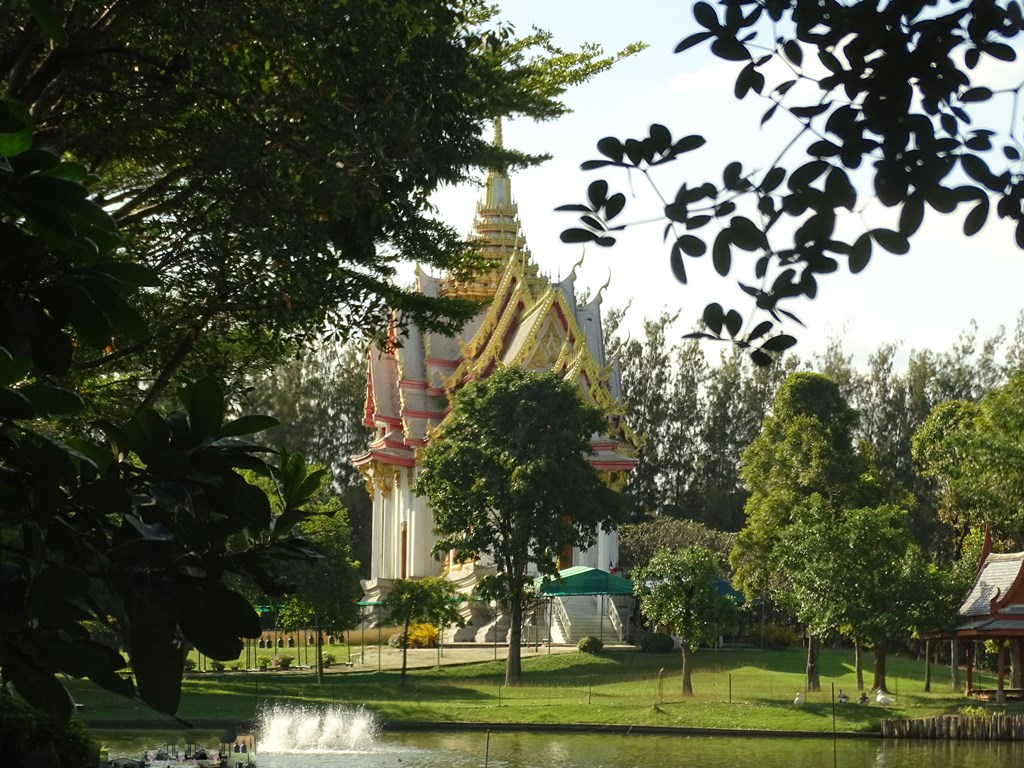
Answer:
(805, 448)
(319, 400)
(975, 454)
(508, 480)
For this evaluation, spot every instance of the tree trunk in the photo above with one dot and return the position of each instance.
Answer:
(514, 666)
(687, 670)
(927, 666)
(881, 650)
(405, 648)
(319, 654)
(954, 664)
(813, 672)
(174, 362)
(858, 663)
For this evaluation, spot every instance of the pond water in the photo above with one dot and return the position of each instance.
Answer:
(349, 739)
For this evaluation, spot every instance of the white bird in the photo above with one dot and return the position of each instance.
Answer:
(799, 700)
(842, 698)
(884, 700)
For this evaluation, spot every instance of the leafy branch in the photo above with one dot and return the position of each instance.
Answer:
(890, 119)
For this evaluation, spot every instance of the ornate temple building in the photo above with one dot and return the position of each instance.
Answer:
(527, 320)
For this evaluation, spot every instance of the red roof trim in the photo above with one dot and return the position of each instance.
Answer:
(614, 466)
(390, 458)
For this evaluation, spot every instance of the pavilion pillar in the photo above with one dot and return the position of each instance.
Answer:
(954, 663)
(1018, 664)
(970, 667)
(1001, 685)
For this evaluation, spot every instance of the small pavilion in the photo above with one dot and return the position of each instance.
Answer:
(993, 610)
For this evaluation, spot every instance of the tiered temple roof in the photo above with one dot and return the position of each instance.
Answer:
(527, 320)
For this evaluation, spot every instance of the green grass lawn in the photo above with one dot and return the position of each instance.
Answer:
(745, 689)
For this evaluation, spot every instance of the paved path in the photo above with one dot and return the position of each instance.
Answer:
(459, 653)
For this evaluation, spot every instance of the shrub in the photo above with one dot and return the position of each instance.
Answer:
(282, 661)
(658, 643)
(397, 641)
(778, 637)
(190, 664)
(588, 644)
(262, 662)
(423, 636)
(217, 666)
(327, 659)
(26, 729)
(974, 712)
(420, 636)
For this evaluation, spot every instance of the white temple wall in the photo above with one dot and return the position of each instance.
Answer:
(421, 539)
(603, 553)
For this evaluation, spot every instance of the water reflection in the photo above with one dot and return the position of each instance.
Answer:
(348, 739)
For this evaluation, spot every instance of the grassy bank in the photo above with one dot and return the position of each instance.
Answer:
(736, 689)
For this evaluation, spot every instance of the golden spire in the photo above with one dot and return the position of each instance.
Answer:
(497, 234)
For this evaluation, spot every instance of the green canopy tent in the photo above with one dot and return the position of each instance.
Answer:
(581, 580)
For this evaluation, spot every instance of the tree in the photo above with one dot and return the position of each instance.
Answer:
(858, 572)
(976, 455)
(679, 589)
(327, 590)
(805, 447)
(270, 181)
(135, 526)
(646, 390)
(696, 420)
(639, 542)
(884, 97)
(320, 401)
(736, 400)
(432, 600)
(507, 479)
(257, 180)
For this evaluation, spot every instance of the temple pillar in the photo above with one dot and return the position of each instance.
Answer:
(376, 547)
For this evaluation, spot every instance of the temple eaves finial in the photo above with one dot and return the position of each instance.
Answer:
(601, 290)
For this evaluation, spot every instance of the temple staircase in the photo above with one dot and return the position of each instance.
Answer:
(576, 616)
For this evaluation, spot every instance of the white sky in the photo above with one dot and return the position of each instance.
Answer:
(923, 299)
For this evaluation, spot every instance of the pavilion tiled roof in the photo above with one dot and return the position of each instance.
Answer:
(997, 576)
